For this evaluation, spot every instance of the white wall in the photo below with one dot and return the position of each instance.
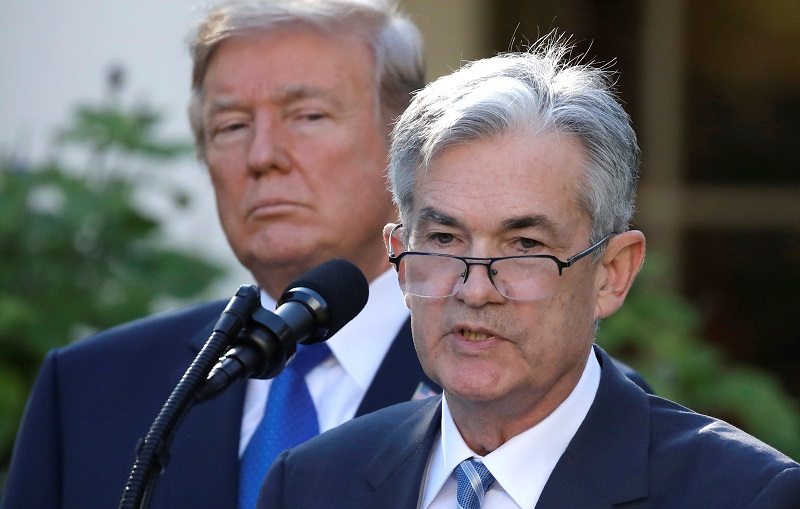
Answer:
(55, 53)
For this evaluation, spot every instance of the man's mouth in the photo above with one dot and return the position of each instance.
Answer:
(273, 207)
(470, 335)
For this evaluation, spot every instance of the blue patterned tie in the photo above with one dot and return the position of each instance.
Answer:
(289, 420)
(474, 480)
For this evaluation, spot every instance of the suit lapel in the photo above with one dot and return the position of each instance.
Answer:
(398, 377)
(606, 462)
(399, 463)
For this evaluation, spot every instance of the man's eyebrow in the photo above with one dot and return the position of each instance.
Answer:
(295, 93)
(298, 92)
(222, 103)
(431, 215)
(286, 96)
(537, 221)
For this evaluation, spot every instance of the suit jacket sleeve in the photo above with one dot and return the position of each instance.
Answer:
(37, 460)
(95, 398)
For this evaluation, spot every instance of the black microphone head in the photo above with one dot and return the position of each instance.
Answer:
(343, 287)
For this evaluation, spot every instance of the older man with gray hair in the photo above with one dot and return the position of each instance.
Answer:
(515, 177)
(292, 106)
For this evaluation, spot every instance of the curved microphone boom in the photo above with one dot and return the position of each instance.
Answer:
(312, 309)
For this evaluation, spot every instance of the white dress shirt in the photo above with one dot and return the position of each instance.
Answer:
(520, 466)
(338, 385)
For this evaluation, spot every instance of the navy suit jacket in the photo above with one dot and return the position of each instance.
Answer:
(94, 399)
(633, 450)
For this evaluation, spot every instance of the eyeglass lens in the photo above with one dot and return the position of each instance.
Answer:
(425, 275)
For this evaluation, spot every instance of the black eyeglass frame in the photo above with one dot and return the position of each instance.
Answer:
(487, 262)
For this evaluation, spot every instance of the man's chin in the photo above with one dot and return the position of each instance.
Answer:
(286, 260)
(286, 254)
(282, 245)
(474, 388)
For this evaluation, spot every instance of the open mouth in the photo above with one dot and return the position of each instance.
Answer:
(474, 336)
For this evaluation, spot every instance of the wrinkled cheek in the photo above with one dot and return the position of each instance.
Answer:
(228, 214)
(427, 356)
(425, 317)
(227, 205)
(563, 306)
(426, 343)
(422, 344)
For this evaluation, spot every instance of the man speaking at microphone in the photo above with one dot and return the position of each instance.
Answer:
(292, 108)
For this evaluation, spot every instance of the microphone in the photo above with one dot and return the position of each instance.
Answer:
(311, 309)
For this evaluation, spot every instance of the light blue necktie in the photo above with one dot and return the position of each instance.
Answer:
(289, 420)
(474, 480)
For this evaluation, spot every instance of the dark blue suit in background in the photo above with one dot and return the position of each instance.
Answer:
(633, 450)
(95, 399)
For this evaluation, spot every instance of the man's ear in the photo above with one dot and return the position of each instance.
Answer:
(392, 243)
(621, 261)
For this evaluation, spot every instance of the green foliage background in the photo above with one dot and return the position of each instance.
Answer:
(78, 255)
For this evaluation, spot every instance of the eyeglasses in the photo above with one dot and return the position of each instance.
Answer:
(524, 277)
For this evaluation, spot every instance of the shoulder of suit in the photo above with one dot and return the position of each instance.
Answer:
(175, 323)
(677, 430)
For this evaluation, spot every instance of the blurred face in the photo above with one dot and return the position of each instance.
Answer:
(513, 195)
(297, 153)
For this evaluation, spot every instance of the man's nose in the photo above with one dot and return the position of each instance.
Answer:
(478, 289)
(269, 147)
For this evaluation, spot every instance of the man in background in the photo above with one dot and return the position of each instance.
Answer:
(515, 179)
(292, 106)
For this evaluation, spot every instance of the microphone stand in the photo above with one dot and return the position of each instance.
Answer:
(153, 450)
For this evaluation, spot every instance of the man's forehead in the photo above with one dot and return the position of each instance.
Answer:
(511, 181)
(307, 74)
(285, 94)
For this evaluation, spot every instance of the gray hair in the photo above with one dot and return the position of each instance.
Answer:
(395, 42)
(538, 91)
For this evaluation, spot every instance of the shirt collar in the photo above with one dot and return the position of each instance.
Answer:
(522, 465)
(361, 345)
